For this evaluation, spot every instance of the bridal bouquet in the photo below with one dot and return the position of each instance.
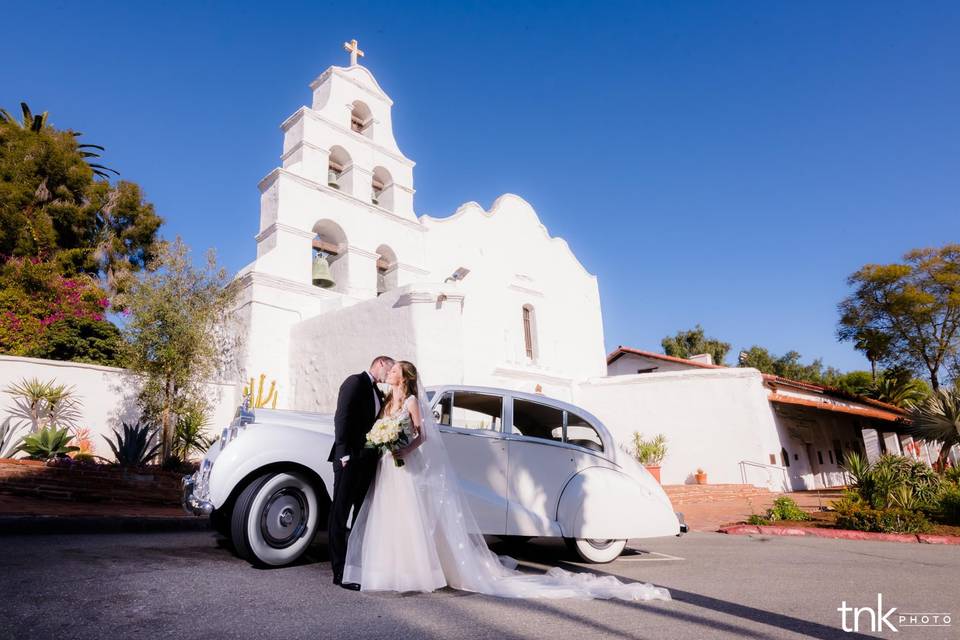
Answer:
(390, 434)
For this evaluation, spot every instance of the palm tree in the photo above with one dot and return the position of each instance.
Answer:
(900, 388)
(938, 420)
(874, 344)
(36, 123)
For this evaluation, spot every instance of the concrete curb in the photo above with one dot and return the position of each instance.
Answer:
(838, 534)
(14, 525)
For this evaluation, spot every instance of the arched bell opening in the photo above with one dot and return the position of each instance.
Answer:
(386, 269)
(338, 168)
(328, 268)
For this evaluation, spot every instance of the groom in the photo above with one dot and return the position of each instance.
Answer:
(358, 405)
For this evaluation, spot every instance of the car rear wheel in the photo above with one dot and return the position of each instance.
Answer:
(596, 551)
(275, 519)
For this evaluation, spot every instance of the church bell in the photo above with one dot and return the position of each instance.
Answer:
(321, 272)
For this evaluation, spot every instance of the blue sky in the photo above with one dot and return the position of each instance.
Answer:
(720, 163)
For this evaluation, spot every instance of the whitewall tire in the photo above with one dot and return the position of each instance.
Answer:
(274, 519)
(596, 551)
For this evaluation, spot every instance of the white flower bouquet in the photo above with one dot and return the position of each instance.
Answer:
(390, 434)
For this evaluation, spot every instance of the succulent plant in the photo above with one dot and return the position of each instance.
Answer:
(48, 443)
(136, 445)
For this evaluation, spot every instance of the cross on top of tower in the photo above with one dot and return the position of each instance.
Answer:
(354, 51)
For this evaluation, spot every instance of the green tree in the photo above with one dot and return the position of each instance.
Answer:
(54, 207)
(46, 315)
(179, 335)
(874, 344)
(787, 366)
(937, 419)
(916, 303)
(899, 387)
(693, 342)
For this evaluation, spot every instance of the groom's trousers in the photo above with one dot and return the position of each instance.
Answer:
(350, 486)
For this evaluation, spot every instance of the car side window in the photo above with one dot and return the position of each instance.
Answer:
(582, 433)
(537, 420)
(469, 410)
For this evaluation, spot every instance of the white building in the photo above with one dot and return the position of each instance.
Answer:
(743, 426)
(490, 298)
(522, 311)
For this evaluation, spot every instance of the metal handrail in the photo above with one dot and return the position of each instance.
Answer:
(782, 469)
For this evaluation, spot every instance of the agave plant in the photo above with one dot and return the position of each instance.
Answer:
(857, 466)
(9, 438)
(44, 404)
(937, 419)
(48, 443)
(135, 446)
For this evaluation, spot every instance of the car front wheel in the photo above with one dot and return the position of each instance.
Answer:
(596, 551)
(275, 519)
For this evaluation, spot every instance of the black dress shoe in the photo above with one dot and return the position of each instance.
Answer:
(352, 586)
(337, 580)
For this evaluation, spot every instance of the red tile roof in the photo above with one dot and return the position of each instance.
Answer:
(621, 350)
(771, 381)
(866, 412)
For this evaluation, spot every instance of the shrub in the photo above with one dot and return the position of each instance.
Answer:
(132, 447)
(892, 520)
(785, 508)
(948, 506)
(952, 474)
(894, 481)
(649, 452)
(48, 443)
(757, 519)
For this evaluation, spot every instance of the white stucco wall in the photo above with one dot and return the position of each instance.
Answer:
(107, 394)
(408, 323)
(712, 419)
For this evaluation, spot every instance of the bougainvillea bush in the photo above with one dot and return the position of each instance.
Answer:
(44, 314)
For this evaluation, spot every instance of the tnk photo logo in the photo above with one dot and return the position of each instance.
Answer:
(879, 620)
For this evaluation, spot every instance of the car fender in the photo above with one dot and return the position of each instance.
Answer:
(261, 445)
(604, 503)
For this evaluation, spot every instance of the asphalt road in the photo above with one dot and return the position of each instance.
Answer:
(188, 585)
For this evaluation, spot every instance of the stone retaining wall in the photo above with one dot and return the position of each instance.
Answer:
(89, 483)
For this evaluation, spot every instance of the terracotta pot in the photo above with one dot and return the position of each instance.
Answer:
(701, 478)
(654, 471)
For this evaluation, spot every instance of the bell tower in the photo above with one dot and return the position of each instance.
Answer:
(345, 140)
(337, 223)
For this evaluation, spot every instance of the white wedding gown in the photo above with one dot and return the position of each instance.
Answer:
(415, 532)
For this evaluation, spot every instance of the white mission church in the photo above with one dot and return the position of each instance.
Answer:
(346, 270)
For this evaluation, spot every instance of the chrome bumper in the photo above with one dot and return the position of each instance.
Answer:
(191, 503)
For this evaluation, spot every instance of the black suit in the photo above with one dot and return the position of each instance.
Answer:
(356, 413)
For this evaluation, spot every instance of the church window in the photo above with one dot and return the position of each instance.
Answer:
(361, 119)
(529, 332)
(338, 164)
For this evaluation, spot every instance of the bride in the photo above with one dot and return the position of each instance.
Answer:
(415, 530)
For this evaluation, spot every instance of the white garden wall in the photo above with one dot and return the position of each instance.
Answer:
(712, 418)
(107, 394)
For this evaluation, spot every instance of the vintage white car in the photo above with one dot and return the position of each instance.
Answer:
(529, 466)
